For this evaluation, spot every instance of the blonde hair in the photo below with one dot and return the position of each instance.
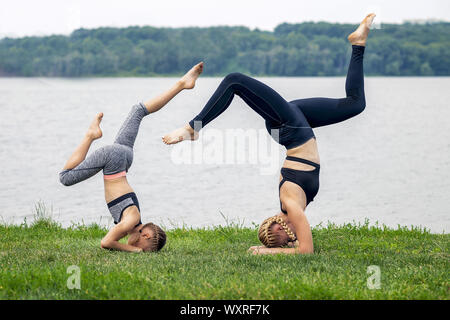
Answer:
(272, 239)
(159, 237)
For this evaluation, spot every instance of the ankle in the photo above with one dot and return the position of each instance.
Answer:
(89, 137)
(180, 84)
(189, 128)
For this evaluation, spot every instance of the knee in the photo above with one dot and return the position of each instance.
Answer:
(64, 179)
(361, 105)
(235, 77)
(358, 105)
(138, 110)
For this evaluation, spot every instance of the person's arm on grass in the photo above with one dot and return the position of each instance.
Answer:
(111, 240)
(302, 231)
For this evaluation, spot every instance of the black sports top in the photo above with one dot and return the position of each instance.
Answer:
(307, 180)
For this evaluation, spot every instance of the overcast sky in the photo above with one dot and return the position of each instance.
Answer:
(43, 17)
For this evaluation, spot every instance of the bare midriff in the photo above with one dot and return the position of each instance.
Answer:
(115, 188)
(308, 151)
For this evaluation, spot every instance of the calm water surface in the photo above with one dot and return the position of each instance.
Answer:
(390, 164)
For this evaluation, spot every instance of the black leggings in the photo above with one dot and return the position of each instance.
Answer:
(294, 119)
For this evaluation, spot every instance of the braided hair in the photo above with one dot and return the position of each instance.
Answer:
(272, 239)
(159, 237)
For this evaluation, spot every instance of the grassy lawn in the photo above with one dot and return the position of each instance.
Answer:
(214, 264)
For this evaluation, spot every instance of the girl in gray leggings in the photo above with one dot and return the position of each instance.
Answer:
(115, 160)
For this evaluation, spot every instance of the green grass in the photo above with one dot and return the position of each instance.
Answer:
(214, 264)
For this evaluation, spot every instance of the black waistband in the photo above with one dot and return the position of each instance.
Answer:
(121, 198)
(290, 158)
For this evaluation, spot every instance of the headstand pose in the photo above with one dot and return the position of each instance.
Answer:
(115, 160)
(290, 123)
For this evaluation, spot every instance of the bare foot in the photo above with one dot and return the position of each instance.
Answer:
(188, 80)
(359, 36)
(94, 132)
(180, 134)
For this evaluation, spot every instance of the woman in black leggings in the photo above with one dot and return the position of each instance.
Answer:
(290, 124)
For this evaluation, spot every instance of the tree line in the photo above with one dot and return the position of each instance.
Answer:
(304, 49)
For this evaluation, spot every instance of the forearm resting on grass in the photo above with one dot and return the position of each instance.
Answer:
(111, 240)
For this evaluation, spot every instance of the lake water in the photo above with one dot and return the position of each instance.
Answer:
(390, 164)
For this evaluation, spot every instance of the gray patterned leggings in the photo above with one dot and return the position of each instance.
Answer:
(113, 159)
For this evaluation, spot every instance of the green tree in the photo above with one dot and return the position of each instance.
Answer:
(305, 49)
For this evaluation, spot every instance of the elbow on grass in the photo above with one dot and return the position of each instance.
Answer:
(306, 250)
(105, 244)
